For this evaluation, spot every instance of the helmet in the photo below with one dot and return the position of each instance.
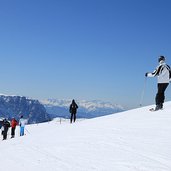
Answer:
(161, 58)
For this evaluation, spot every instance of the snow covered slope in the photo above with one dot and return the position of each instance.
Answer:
(135, 140)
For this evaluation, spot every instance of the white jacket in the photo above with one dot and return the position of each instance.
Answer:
(22, 122)
(163, 72)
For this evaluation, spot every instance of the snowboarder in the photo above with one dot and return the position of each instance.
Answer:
(163, 72)
(73, 110)
(22, 123)
(13, 126)
(6, 125)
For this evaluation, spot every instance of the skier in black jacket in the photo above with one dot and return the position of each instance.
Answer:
(163, 72)
(73, 110)
(6, 125)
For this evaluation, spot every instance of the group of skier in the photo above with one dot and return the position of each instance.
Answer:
(7, 124)
(163, 72)
(22, 122)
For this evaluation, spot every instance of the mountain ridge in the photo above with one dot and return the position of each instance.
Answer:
(87, 109)
(15, 106)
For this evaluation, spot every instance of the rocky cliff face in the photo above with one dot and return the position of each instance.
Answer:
(15, 106)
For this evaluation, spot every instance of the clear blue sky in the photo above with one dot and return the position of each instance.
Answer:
(83, 49)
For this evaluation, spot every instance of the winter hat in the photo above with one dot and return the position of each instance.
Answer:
(161, 58)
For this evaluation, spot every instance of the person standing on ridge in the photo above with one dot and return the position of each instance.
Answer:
(13, 126)
(73, 110)
(163, 72)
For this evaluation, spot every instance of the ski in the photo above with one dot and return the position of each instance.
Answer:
(153, 109)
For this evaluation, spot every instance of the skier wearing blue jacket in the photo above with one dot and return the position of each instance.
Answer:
(163, 72)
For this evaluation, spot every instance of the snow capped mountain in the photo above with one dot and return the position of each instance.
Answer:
(14, 106)
(90, 105)
(134, 140)
(87, 109)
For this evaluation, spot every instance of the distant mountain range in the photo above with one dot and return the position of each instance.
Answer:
(87, 109)
(15, 106)
(44, 110)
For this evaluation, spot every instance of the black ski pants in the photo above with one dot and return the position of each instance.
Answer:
(160, 93)
(13, 131)
(5, 135)
(73, 116)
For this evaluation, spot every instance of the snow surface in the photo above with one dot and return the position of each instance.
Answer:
(135, 140)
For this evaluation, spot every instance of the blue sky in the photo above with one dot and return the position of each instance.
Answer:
(83, 49)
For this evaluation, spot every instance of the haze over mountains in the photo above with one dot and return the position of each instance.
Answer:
(87, 109)
(44, 110)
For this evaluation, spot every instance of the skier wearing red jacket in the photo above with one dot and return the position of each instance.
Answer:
(14, 123)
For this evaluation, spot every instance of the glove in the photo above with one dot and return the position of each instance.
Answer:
(146, 74)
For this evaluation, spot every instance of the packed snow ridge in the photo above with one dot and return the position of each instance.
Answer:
(134, 140)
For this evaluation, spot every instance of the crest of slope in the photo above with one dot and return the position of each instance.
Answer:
(135, 140)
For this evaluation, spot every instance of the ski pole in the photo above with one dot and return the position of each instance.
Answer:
(143, 91)
(27, 130)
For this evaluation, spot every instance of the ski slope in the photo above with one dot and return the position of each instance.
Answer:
(135, 140)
